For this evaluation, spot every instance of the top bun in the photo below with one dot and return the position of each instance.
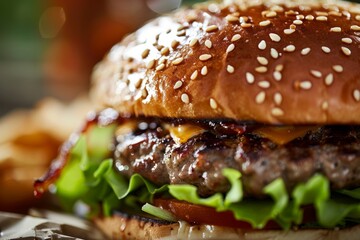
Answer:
(267, 61)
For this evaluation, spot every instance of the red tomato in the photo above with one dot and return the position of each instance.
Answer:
(198, 214)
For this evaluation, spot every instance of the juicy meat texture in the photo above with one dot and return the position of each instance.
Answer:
(333, 151)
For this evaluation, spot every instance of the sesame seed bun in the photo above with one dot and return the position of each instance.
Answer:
(246, 60)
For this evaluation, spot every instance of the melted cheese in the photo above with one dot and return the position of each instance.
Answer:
(182, 133)
(283, 135)
(126, 128)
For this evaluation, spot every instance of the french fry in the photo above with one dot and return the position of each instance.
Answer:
(29, 140)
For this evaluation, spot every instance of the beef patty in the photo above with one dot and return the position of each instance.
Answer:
(333, 151)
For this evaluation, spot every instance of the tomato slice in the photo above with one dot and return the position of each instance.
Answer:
(197, 214)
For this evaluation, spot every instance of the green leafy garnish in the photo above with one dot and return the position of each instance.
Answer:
(90, 176)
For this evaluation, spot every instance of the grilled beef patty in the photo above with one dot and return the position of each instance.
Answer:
(333, 151)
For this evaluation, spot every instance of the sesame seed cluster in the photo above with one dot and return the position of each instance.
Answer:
(294, 62)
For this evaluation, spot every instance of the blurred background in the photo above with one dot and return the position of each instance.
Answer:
(49, 47)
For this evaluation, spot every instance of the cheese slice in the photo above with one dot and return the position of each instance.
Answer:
(126, 128)
(183, 132)
(284, 134)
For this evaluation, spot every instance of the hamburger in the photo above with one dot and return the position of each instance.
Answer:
(228, 119)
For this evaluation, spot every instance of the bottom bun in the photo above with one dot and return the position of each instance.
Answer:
(121, 226)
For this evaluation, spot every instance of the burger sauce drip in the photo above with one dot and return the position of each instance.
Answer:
(109, 116)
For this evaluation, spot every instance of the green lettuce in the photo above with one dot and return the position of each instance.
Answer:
(91, 177)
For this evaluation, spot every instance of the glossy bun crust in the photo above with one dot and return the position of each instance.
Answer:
(289, 63)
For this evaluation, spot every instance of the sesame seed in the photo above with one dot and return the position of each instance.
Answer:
(356, 95)
(274, 37)
(346, 40)
(277, 75)
(177, 61)
(243, 19)
(162, 60)
(277, 98)
(194, 75)
(304, 8)
(264, 84)
(174, 44)
(205, 57)
(357, 17)
(181, 33)
(231, 18)
(277, 8)
(181, 28)
(245, 25)
(185, 98)
(213, 8)
(262, 45)
(250, 78)
(321, 18)
(335, 29)
(292, 26)
(334, 13)
(138, 82)
(305, 85)
(355, 27)
(319, 13)
(262, 60)
(178, 85)
(346, 51)
(347, 14)
(144, 93)
(193, 42)
(338, 68)
(204, 70)
(325, 105)
(235, 37)
(297, 22)
(150, 64)
(264, 23)
(230, 69)
(279, 67)
(160, 67)
(289, 31)
(274, 53)
(325, 49)
(316, 73)
(309, 17)
(289, 48)
(300, 17)
(230, 48)
(270, 14)
(291, 13)
(145, 53)
(305, 51)
(211, 28)
(277, 112)
(213, 103)
(165, 51)
(329, 79)
(260, 97)
(208, 43)
(261, 69)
